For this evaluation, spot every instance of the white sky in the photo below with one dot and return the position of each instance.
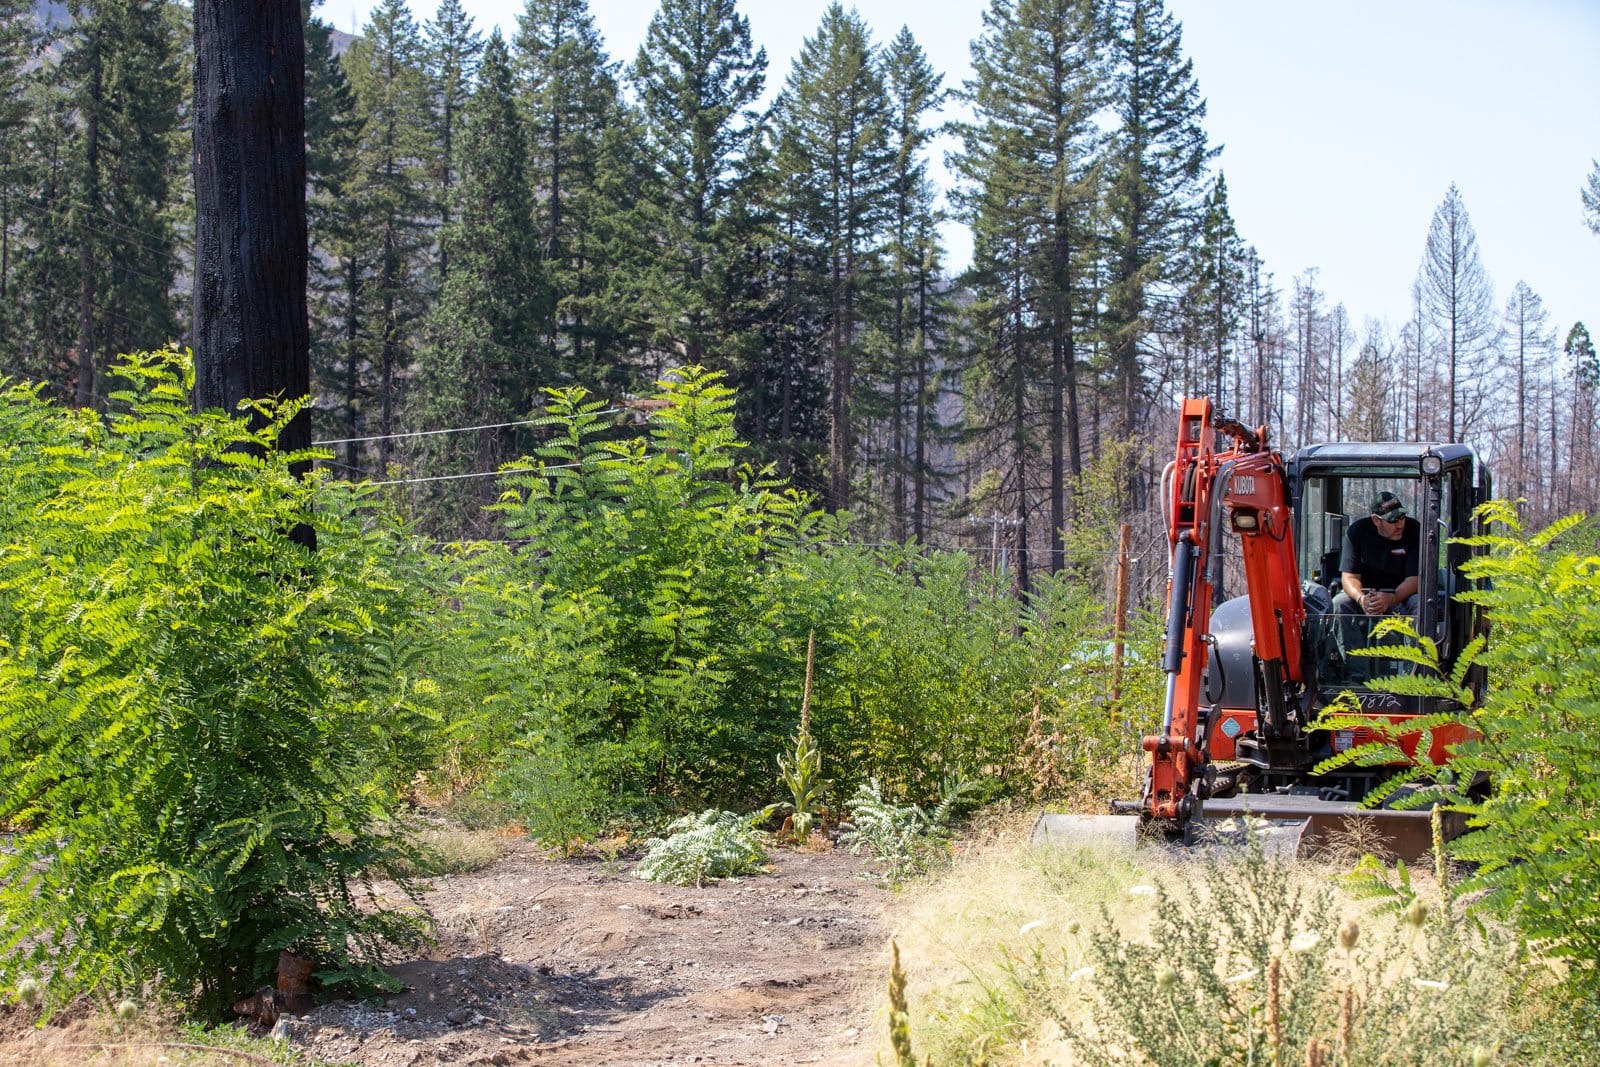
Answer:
(1342, 125)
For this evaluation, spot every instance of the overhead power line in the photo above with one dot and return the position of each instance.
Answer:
(474, 474)
(452, 429)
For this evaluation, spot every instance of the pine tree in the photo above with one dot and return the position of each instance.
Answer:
(1591, 199)
(478, 365)
(913, 89)
(1037, 84)
(777, 293)
(1583, 422)
(1157, 161)
(451, 48)
(1262, 329)
(336, 213)
(17, 40)
(570, 102)
(697, 76)
(1530, 342)
(385, 70)
(1371, 384)
(832, 128)
(1217, 291)
(42, 304)
(1456, 293)
(1005, 337)
(120, 70)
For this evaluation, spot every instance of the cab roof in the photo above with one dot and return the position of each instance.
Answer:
(1382, 451)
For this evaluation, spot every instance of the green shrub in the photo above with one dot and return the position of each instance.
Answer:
(711, 845)
(194, 740)
(672, 554)
(643, 652)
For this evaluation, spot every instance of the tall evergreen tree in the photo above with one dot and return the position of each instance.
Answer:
(1591, 199)
(1371, 384)
(120, 68)
(1217, 288)
(476, 368)
(42, 294)
(698, 76)
(1038, 82)
(833, 142)
(385, 70)
(570, 101)
(18, 36)
(776, 289)
(1582, 488)
(1157, 159)
(1530, 343)
(1005, 336)
(1456, 293)
(914, 92)
(336, 214)
(451, 48)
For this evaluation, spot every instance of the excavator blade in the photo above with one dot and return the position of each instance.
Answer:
(1278, 839)
(1340, 825)
(1283, 826)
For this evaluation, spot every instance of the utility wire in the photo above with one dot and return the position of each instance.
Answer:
(474, 474)
(453, 429)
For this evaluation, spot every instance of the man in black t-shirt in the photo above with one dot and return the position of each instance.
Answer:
(1378, 568)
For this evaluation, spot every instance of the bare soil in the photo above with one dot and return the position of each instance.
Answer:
(576, 962)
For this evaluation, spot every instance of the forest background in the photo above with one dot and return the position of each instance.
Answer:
(494, 217)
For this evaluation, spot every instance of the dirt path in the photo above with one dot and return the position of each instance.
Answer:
(580, 962)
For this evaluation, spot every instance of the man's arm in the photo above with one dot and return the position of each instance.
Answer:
(1350, 582)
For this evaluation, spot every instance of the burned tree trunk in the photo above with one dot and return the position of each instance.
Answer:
(251, 334)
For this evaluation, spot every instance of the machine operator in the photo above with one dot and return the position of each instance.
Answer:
(1378, 567)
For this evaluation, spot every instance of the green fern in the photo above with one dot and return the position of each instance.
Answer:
(708, 846)
(1536, 845)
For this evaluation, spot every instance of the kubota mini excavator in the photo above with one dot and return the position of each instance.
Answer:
(1247, 681)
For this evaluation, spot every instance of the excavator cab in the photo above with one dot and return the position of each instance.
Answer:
(1332, 487)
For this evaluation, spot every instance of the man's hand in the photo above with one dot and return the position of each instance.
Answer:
(1376, 602)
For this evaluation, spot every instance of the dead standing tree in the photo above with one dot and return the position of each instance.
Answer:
(251, 334)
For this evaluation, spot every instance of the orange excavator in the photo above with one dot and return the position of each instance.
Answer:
(1248, 678)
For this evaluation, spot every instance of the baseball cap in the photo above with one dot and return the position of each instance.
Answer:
(1388, 507)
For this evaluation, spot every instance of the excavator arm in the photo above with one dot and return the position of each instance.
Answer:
(1243, 488)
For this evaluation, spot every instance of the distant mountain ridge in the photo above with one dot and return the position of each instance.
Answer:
(55, 13)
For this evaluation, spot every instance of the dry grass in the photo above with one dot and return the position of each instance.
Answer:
(966, 939)
(457, 851)
(957, 933)
(99, 1039)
